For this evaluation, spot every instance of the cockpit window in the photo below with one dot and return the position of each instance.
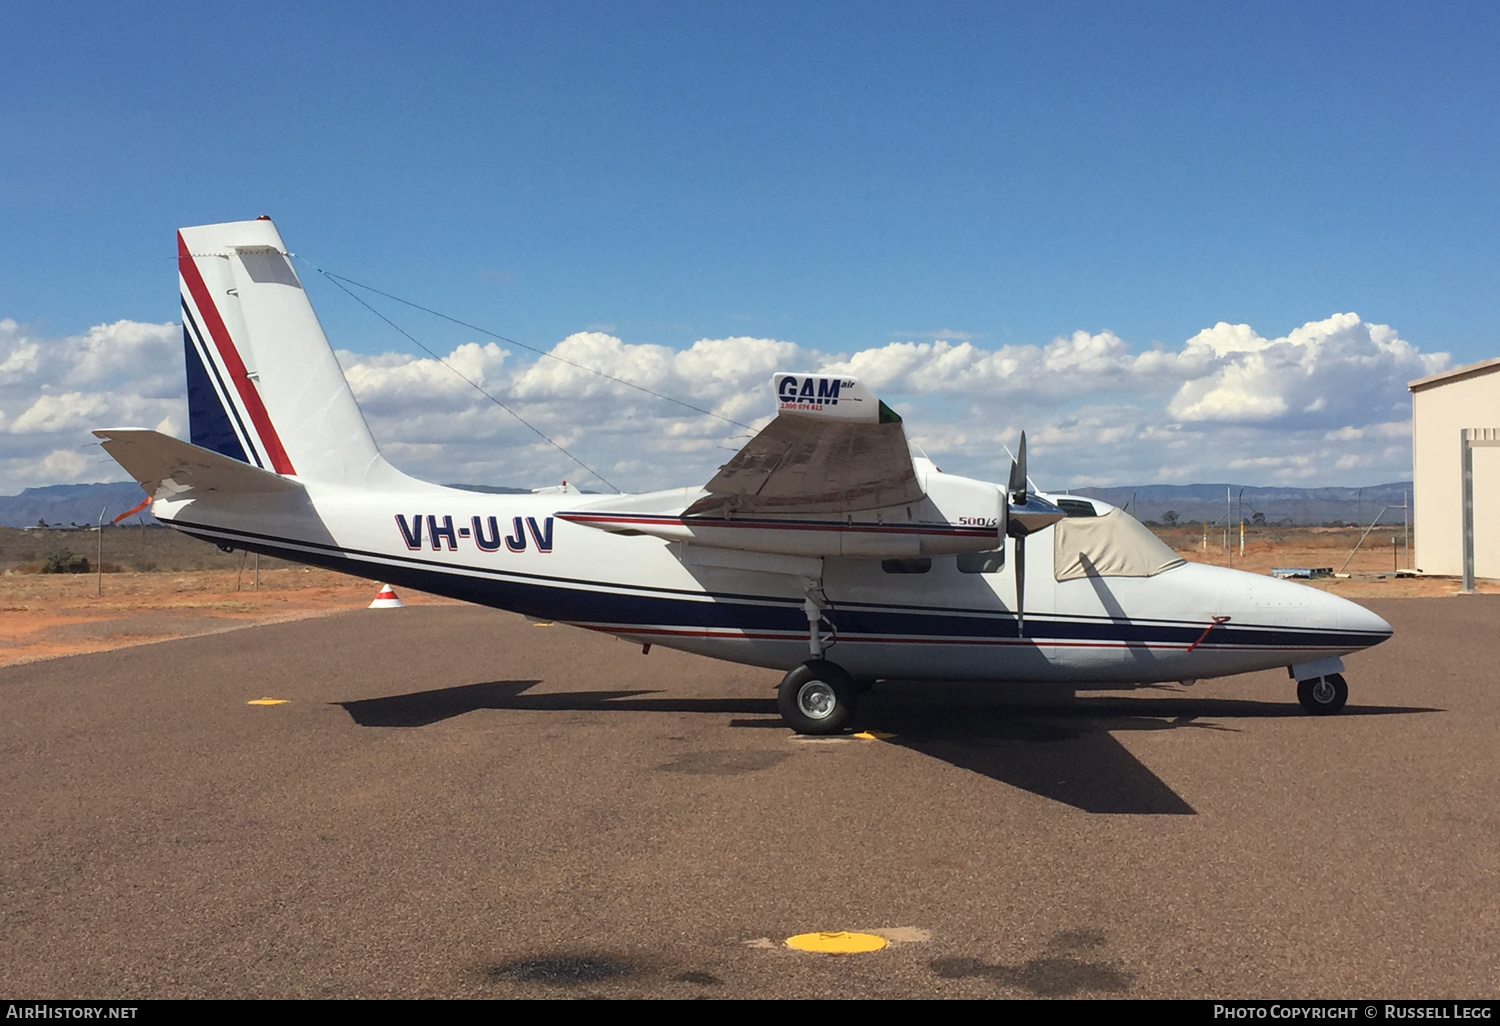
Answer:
(1112, 544)
(1076, 507)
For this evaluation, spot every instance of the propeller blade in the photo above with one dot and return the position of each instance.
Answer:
(1018, 473)
(1021, 586)
(1026, 513)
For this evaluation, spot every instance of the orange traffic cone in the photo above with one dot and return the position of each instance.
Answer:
(386, 599)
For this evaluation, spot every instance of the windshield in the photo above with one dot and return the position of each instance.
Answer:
(1113, 544)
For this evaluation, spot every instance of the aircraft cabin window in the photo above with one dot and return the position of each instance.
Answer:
(906, 566)
(981, 562)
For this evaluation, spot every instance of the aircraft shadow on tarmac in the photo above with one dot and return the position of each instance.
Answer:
(426, 707)
(1065, 751)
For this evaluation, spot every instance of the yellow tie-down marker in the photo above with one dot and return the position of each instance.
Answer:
(840, 942)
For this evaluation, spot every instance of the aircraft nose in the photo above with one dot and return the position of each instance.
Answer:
(1356, 618)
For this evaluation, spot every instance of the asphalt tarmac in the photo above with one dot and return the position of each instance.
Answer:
(453, 802)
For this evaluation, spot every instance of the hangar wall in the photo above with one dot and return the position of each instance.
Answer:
(1441, 407)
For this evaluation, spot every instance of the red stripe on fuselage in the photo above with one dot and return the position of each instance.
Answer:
(269, 440)
(590, 519)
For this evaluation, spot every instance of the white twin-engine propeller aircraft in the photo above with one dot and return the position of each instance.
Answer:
(823, 548)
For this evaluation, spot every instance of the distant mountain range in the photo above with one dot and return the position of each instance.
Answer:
(491, 489)
(1200, 503)
(78, 505)
(67, 505)
(72, 505)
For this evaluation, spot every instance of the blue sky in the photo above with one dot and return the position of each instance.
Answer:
(838, 176)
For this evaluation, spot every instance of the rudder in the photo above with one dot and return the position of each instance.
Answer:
(263, 384)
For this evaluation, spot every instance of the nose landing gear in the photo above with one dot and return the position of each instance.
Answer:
(1323, 696)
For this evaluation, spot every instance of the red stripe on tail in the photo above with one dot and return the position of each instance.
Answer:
(270, 441)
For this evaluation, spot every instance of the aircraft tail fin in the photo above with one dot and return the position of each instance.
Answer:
(264, 386)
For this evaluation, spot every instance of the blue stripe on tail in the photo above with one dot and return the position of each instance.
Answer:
(208, 423)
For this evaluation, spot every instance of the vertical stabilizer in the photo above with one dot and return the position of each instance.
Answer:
(263, 384)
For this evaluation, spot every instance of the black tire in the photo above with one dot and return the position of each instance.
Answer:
(817, 698)
(1323, 696)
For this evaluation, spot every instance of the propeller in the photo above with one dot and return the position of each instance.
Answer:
(1025, 514)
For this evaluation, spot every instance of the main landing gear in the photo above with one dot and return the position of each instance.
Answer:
(1323, 696)
(817, 698)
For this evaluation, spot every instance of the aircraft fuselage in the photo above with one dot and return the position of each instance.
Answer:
(515, 552)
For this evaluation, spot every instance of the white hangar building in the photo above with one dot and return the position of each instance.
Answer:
(1450, 412)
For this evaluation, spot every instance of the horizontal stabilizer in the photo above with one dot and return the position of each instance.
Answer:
(170, 468)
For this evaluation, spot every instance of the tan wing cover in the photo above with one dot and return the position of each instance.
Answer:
(800, 464)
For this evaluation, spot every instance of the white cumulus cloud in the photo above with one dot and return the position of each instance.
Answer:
(1335, 372)
(54, 390)
(1324, 404)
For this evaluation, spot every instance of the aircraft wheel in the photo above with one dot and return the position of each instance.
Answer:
(817, 698)
(1323, 696)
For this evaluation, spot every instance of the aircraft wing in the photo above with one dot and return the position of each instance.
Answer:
(833, 448)
(830, 476)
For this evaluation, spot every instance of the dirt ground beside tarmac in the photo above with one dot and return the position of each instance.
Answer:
(47, 615)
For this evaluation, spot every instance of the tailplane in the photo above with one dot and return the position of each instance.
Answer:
(171, 469)
(264, 387)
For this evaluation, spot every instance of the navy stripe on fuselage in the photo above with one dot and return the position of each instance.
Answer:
(586, 602)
